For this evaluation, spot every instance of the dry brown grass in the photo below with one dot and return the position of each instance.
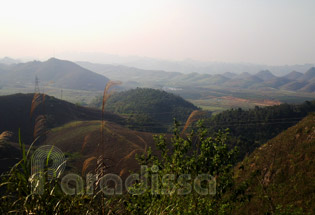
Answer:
(40, 120)
(192, 118)
(86, 141)
(4, 136)
(37, 100)
(40, 126)
(87, 163)
(102, 163)
(107, 93)
(119, 142)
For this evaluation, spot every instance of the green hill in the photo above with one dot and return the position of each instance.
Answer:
(281, 172)
(150, 109)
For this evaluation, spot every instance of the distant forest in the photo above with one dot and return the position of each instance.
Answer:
(251, 128)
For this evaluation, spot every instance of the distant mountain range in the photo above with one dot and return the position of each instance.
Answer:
(90, 76)
(133, 77)
(53, 72)
(184, 66)
(8, 61)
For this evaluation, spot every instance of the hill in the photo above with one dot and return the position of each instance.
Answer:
(244, 80)
(309, 75)
(15, 114)
(276, 82)
(215, 80)
(294, 85)
(265, 75)
(294, 75)
(152, 110)
(281, 172)
(310, 87)
(53, 72)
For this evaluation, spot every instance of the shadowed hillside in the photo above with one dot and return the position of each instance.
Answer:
(15, 113)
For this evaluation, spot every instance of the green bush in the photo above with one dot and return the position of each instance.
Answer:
(193, 155)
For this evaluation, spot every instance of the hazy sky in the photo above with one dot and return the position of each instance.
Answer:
(271, 32)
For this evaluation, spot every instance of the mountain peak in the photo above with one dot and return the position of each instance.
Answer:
(309, 75)
(52, 59)
(311, 71)
(265, 75)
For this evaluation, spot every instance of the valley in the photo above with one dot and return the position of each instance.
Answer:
(210, 92)
(132, 123)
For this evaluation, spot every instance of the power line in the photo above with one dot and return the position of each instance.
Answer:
(222, 125)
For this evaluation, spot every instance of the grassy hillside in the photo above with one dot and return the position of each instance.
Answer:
(281, 172)
(80, 139)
